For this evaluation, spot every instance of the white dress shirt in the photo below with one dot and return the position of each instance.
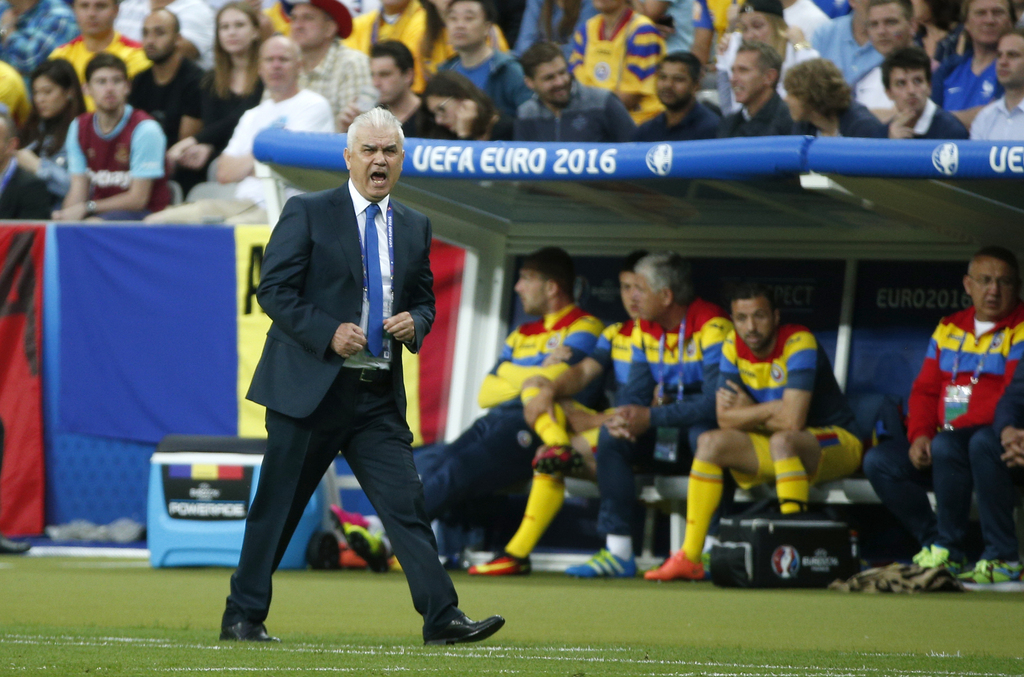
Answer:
(363, 359)
(995, 122)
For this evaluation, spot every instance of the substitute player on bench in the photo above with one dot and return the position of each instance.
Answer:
(782, 418)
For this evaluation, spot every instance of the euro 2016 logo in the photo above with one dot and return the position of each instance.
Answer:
(785, 561)
(946, 158)
(659, 159)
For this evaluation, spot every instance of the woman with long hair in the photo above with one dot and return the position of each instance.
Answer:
(935, 19)
(434, 49)
(230, 89)
(455, 108)
(821, 103)
(56, 101)
(761, 21)
(552, 21)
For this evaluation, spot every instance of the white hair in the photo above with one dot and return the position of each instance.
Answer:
(375, 118)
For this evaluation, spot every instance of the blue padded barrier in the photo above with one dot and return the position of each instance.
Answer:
(482, 160)
(714, 159)
(917, 158)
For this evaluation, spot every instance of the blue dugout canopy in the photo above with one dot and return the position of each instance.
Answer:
(864, 209)
(766, 196)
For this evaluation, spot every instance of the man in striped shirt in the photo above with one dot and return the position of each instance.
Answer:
(619, 50)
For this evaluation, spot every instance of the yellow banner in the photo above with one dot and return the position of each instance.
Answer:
(253, 324)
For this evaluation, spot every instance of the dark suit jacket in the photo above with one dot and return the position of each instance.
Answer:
(312, 281)
(772, 120)
(26, 197)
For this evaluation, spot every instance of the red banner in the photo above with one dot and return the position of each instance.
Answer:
(21, 401)
(438, 351)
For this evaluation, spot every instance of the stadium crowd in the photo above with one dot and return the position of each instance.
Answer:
(111, 107)
(121, 109)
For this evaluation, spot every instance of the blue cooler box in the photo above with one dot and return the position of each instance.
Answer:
(197, 506)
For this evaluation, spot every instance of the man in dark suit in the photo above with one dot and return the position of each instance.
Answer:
(22, 194)
(755, 77)
(331, 378)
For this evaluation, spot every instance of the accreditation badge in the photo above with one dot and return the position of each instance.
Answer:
(666, 445)
(955, 404)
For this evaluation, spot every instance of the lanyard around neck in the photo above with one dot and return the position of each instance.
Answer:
(680, 348)
(981, 363)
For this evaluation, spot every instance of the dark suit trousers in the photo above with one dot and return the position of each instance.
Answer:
(363, 422)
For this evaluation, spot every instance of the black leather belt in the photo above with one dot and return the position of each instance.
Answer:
(374, 375)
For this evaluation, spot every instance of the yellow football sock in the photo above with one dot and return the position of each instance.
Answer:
(791, 485)
(551, 430)
(546, 497)
(702, 499)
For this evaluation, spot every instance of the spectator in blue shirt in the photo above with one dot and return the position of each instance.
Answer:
(703, 31)
(821, 103)
(562, 109)
(965, 83)
(845, 42)
(56, 101)
(31, 29)
(907, 76)
(674, 19)
(497, 74)
(552, 21)
(685, 118)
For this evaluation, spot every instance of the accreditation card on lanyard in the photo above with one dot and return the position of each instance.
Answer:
(389, 300)
(958, 397)
(666, 442)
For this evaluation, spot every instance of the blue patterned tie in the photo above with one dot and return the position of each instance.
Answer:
(374, 285)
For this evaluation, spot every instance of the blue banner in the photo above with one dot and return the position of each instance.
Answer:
(714, 159)
(148, 340)
(895, 312)
(721, 159)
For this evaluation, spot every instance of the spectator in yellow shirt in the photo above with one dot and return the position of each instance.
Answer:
(96, 21)
(13, 95)
(401, 20)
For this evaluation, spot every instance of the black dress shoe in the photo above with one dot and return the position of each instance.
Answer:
(9, 547)
(247, 631)
(463, 629)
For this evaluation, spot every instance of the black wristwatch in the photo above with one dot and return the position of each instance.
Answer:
(90, 207)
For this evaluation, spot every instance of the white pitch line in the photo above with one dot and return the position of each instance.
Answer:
(510, 653)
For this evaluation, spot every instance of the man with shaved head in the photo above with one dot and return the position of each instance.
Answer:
(169, 89)
(346, 280)
(284, 105)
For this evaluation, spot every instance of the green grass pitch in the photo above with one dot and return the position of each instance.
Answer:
(114, 617)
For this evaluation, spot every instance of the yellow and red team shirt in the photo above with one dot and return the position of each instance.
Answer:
(994, 355)
(13, 94)
(370, 28)
(796, 362)
(614, 350)
(442, 50)
(279, 18)
(128, 50)
(657, 360)
(625, 62)
(530, 343)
